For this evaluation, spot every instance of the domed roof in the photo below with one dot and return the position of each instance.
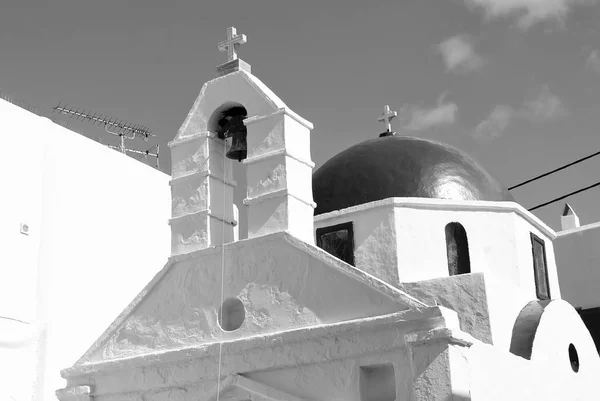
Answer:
(401, 166)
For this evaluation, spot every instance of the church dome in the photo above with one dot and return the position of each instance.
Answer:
(401, 166)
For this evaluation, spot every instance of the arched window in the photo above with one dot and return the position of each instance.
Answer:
(457, 249)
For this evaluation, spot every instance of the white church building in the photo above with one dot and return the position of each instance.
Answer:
(399, 270)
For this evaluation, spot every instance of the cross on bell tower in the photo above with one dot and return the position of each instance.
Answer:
(231, 46)
(232, 43)
(386, 118)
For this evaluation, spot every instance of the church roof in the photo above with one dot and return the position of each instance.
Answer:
(402, 166)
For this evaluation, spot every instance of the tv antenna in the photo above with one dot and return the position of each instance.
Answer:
(120, 128)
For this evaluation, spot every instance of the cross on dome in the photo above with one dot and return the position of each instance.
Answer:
(387, 117)
(232, 43)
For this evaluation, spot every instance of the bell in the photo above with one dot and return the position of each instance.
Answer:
(233, 127)
(238, 149)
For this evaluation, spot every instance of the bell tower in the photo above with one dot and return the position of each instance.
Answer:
(237, 118)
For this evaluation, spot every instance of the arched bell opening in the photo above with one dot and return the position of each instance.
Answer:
(227, 123)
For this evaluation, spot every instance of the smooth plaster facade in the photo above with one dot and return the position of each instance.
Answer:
(97, 233)
(308, 326)
(578, 257)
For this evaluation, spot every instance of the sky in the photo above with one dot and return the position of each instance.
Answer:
(514, 83)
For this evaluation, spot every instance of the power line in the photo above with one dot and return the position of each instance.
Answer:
(565, 196)
(554, 171)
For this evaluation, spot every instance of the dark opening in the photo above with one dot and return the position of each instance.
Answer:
(231, 314)
(338, 240)
(457, 249)
(377, 383)
(591, 318)
(228, 119)
(538, 249)
(574, 358)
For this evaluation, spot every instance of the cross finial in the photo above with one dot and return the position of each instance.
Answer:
(387, 117)
(232, 43)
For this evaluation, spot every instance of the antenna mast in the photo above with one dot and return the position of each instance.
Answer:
(122, 129)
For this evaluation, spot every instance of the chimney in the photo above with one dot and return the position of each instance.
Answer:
(569, 218)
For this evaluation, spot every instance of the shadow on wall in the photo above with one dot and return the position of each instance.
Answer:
(464, 293)
(591, 319)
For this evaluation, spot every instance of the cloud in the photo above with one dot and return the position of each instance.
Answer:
(420, 118)
(593, 61)
(459, 55)
(496, 123)
(528, 12)
(545, 106)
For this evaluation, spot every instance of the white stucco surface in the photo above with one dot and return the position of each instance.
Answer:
(98, 233)
(548, 375)
(278, 167)
(375, 238)
(320, 363)
(578, 260)
(282, 283)
(428, 357)
(465, 293)
(202, 195)
(402, 240)
(415, 240)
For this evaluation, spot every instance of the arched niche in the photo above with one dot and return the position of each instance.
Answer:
(215, 124)
(227, 109)
(237, 88)
(457, 249)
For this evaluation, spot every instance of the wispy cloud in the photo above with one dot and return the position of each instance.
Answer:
(527, 12)
(495, 124)
(420, 118)
(593, 61)
(459, 54)
(545, 106)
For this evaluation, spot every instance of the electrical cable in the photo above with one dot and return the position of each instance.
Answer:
(554, 171)
(564, 196)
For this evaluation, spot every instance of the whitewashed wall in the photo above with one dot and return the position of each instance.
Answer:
(408, 234)
(98, 233)
(578, 263)
(375, 237)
